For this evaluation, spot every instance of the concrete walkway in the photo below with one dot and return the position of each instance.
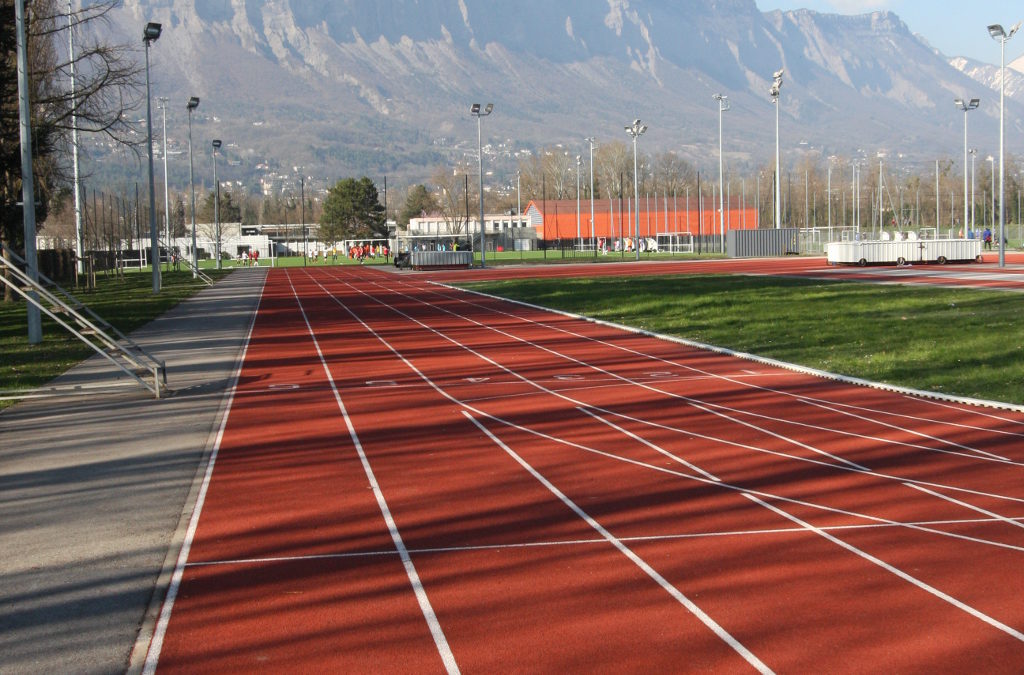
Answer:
(95, 487)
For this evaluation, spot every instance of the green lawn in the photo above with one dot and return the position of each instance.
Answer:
(126, 303)
(955, 341)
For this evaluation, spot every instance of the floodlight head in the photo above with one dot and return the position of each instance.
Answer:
(643, 128)
(1013, 30)
(475, 109)
(216, 143)
(778, 73)
(958, 102)
(489, 108)
(996, 31)
(975, 102)
(152, 32)
(193, 103)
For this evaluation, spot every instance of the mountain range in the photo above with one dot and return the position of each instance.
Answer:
(343, 87)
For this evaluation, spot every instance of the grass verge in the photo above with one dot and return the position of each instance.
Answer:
(126, 303)
(954, 341)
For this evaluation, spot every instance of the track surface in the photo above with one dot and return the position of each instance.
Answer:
(414, 479)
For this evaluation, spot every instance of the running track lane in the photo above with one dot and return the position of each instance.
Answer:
(738, 515)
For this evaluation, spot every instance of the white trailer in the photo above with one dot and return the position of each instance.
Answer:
(903, 252)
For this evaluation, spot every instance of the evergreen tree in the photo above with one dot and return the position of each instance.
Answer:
(352, 210)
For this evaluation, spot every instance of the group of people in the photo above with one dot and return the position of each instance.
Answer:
(986, 236)
(249, 258)
(361, 252)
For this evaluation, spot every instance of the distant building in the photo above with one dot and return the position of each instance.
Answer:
(555, 219)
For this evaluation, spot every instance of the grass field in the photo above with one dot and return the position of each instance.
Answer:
(955, 341)
(126, 303)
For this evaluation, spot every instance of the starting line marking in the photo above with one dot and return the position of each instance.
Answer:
(469, 548)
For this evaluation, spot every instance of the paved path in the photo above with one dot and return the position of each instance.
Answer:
(93, 487)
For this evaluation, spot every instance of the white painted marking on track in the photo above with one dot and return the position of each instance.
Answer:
(996, 516)
(577, 402)
(1012, 632)
(749, 493)
(830, 405)
(440, 641)
(652, 446)
(709, 408)
(968, 449)
(923, 525)
(669, 588)
(160, 631)
(285, 387)
(381, 383)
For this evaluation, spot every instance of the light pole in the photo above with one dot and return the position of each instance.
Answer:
(579, 235)
(974, 153)
(28, 199)
(216, 203)
(774, 92)
(149, 35)
(992, 165)
(723, 105)
(193, 103)
(966, 106)
(167, 199)
(1001, 36)
(519, 200)
(475, 110)
(593, 238)
(79, 235)
(636, 130)
(302, 215)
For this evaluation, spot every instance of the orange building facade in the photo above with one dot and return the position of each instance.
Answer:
(614, 219)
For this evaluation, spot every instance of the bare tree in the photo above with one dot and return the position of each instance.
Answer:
(612, 163)
(107, 87)
(451, 194)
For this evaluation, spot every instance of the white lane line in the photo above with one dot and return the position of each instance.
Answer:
(978, 509)
(708, 408)
(1012, 632)
(668, 587)
(652, 446)
(915, 432)
(160, 631)
(470, 548)
(540, 387)
(749, 493)
(410, 569)
(584, 448)
(742, 489)
(671, 589)
(809, 460)
(917, 395)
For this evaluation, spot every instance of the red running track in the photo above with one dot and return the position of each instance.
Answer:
(415, 479)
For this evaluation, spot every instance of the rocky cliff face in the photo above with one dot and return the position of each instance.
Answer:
(363, 84)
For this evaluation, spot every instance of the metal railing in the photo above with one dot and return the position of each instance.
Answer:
(84, 324)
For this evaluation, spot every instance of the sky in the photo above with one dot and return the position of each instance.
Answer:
(954, 27)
